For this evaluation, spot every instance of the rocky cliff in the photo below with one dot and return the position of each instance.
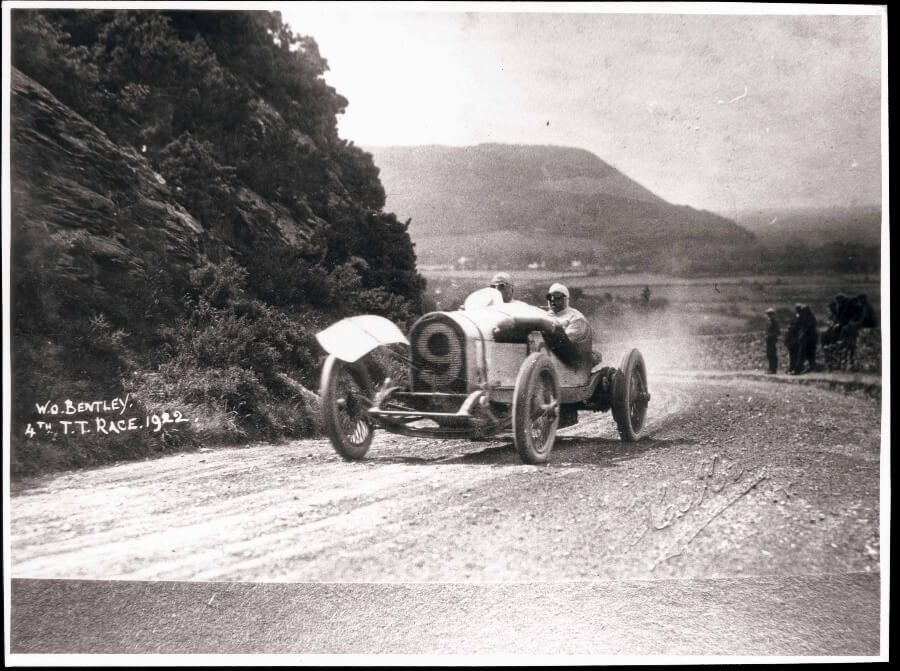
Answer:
(76, 192)
(106, 212)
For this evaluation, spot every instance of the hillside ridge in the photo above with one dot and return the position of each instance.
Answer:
(539, 191)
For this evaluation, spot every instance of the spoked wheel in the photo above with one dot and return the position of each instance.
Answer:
(535, 410)
(630, 396)
(346, 396)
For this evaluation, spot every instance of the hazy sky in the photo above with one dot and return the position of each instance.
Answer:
(715, 111)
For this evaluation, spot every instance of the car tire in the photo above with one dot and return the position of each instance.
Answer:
(630, 396)
(345, 392)
(535, 410)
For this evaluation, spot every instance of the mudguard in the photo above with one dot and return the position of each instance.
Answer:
(354, 337)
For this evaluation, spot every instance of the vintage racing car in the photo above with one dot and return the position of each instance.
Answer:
(481, 370)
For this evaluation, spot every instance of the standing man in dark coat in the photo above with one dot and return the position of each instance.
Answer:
(866, 312)
(792, 342)
(809, 338)
(772, 331)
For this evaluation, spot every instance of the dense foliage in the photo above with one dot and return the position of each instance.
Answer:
(231, 111)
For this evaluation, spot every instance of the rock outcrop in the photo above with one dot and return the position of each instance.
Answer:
(73, 188)
(70, 182)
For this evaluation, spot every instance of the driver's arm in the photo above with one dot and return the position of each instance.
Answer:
(577, 329)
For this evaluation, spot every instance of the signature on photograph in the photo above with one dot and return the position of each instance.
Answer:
(720, 482)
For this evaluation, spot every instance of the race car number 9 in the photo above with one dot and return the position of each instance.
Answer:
(438, 345)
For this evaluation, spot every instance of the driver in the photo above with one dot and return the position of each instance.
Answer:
(576, 352)
(576, 326)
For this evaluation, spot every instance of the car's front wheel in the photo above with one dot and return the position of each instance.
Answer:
(346, 397)
(535, 410)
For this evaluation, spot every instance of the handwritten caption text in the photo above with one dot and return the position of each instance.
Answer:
(68, 418)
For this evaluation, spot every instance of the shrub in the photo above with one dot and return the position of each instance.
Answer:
(227, 358)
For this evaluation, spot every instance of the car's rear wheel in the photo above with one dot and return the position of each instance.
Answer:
(346, 396)
(535, 410)
(630, 396)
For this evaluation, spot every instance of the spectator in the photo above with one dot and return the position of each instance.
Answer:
(839, 339)
(792, 342)
(865, 312)
(772, 331)
(809, 339)
(838, 310)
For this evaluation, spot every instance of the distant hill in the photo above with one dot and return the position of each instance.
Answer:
(814, 226)
(518, 204)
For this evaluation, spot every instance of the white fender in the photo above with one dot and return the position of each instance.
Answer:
(354, 337)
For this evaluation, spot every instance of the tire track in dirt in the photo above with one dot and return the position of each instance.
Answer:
(176, 532)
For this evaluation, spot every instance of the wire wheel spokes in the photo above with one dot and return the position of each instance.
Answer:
(637, 402)
(535, 410)
(346, 398)
(352, 404)
(543, 410)
(630, 396)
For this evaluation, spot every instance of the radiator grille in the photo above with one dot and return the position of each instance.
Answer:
(439, 357)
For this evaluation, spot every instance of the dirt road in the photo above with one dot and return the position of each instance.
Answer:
(737, 477)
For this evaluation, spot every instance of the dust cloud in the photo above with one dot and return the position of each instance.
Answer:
(666, 337)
